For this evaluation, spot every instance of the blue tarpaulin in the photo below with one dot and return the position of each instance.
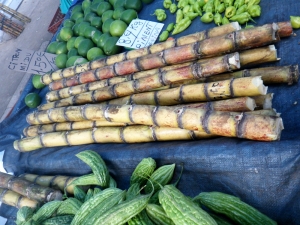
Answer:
(264, 174)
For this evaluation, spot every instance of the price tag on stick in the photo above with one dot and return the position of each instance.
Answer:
(32, 61)
(140, 34)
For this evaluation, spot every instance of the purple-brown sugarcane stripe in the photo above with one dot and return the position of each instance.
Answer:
(105, 113)
(83, 110)
(35, 179)
(54, 127)
(153, 133)
(161, 78)
(66, 182)
(66, 138)
(38, 118)
(49, 116)
(122, 134)
(19, 201)
(41, 140)
(156, 99)
(209, 106)
(153, 115)
(93, 135)
(2, 194)
(65, 114)
(196, 70)
(94, 124)
(52, 180)
(19, 146)
(206, 92)
(192, 134)
(112, 90)
(181, 98)
(204, 121)
(240, 124)
(130, 100)
(294, 74)
(179, 117)
(10, 182)
(231, 88)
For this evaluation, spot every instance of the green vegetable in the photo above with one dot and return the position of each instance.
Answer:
(88, 179)
(133, 191)
(69, 206)
(182, 25)
(228, 3)
(191, 15)
(197, 8)
(221, 8)
(209, 7)
(238, 3)
(46, 211)
(179, 15)
(182, 3)
(164, 35)
(248, 26)
(140, 219)
(186, 9)
(225, 20)
(173, 8)
(216, 4)
(160, 14)
(241, 9)
(242, 18)
(112, 183)
(218, 19)
(192, 2)
(89, 194)
(79, 194)
(230, 11)
(167, 4)
(170, 27)
(143, 171)
(295, 21)
(234, 208)
(181, 209)
(207, 17)
(24, 214)
(59, 220)
(253, 2)
(201, 2)
(254, 10)
(157, 214)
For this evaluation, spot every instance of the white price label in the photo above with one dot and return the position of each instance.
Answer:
(140, 34)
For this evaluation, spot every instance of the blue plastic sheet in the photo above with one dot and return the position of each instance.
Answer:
(263, 174)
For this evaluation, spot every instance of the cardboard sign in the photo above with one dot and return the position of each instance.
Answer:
(32, 61)
(140, 34)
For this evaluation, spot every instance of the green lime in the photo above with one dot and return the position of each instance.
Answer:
(110, 47)
(93, 53)
(96, 36)
(75, 29)
(107, 15)
(66, 33)
(102, 7)
(71, 43)
(70, 62)
(94, 6)
(79, 20)
(60, 60)
(58, 37)
(80, 61)
(96, 21)
(68, 23)
(119, 3)
(112, 2)
(117, 13)
(137, 5)
(106, 25)
(117, 28)
(84, 46)
(78, 40)
(128, 15)
(72, 52)
(89, 31)
(76, 8)
(74, 16)
(61, 48)
(87, 11)
(103, 39)
(36, 81)
(85, 4)
(82, 27)
(88, 17)
(32, 100)
(51, 48)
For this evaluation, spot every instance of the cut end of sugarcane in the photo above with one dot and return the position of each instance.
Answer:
(236, 25)
(258, 82)
(275, 28)
(234, 61)
(272, 48)
(295, 74)
(250, 103)
(278, 128)
(267, 104)
(55, 195)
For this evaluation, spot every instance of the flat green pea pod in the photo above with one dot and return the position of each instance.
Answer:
(225, 20)
(221, 8)
(238, 3)
(207, 17)
(228, 3)
(157, 214)
(143, 171)
(167, 4)
(253, 2)
(232, 207)
(191, 15)
(173, 8)
(182, 25)
(241, 9)
(181, 209)
(254, 10)
(218, 19)
(295, 21)
(160, 14)
(197, 8)
(179, 15)
(186, 9)
(242, 18)
(230, 11)
(170, 27)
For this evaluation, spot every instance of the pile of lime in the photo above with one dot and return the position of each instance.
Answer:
(93, 30)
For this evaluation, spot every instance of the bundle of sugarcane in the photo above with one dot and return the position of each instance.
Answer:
(10, 27)
(15, 14)
(170, 94)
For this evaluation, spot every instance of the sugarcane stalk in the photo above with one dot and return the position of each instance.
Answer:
(265, 112)
(285, 29)
(258, 55)
(28, 189)
(241, 104)
(235, 41)
(203, 68)
(263, 101)
(71, 71)
(57, 182)
(15, 199)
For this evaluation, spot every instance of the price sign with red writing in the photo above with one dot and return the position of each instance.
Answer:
(34, 62)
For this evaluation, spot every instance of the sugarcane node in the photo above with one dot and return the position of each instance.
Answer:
(294, 74)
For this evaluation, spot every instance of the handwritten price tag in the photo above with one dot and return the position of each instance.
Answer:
(140, 34)
(32, 61)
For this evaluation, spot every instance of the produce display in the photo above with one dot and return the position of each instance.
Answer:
(151, 198)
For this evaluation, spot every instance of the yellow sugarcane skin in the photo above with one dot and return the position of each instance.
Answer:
(137, 134)
(80, 136)
(115, 58)
(98, 63)
(221, 30)
(56, 140)
(180, 54)
(167, 97)
(162, 46)
(192, 38)
(137, 53)
(107, 135)
(239, 86)
(219, 90)
(256, 56)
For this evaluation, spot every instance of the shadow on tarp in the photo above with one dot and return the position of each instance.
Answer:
(265, 175)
